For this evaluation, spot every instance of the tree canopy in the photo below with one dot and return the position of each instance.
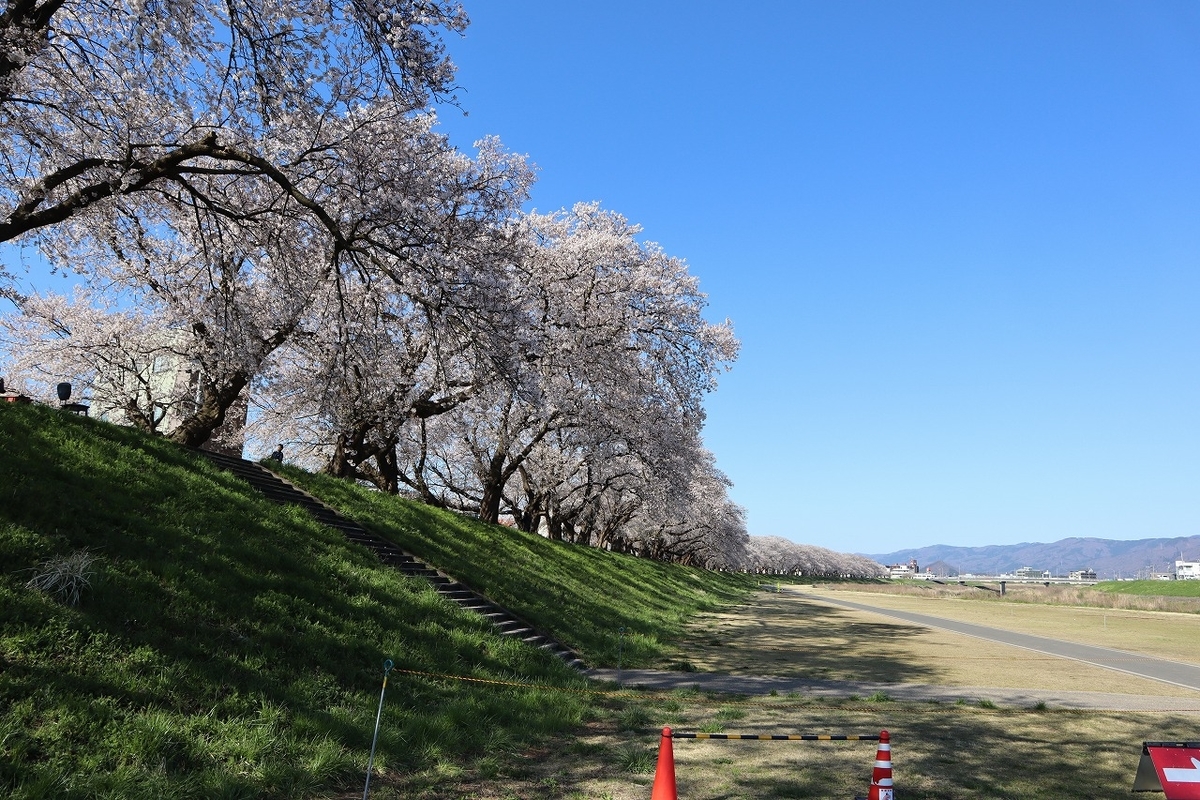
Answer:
(259, 191)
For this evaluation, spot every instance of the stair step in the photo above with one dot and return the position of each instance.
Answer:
(512, 626)
(279, 490)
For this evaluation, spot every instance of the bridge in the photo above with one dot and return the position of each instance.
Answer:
(1000, 580)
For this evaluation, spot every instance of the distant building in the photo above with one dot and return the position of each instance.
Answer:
(909, 570)
(1083, 575)
(1031, 574)
(165, 385)
(1187, 570)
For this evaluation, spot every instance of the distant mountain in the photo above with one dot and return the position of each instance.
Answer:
(1108, 557)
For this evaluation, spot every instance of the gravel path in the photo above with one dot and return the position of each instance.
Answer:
(915, 692)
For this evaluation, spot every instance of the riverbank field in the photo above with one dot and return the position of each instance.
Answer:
(202, 642)
(786, 634)
(956, 749)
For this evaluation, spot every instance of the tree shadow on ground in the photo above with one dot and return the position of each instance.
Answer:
(790, 637)
(955, 756)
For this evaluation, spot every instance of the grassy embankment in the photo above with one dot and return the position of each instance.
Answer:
(1151, 588)
(228, 647)
(583, 594)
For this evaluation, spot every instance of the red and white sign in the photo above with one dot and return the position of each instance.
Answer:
(1177, 767)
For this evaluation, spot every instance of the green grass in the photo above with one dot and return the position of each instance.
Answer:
(167, 632)
(224, 646)
(583, 595)
(1151, 588)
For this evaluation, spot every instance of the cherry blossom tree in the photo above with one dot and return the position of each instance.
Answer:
(424, 224)
(258, 188)
(108, 98)
(774, 555)
(134, 124)
(417, 316)
(107, 354)
(215, 301)
(601, 419)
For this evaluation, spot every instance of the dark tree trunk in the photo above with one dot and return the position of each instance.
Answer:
(493, 479)
(196, 429)
(389, 470)
(489, 505)
(340, 462)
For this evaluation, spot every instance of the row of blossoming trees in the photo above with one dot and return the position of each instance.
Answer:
(258, 188)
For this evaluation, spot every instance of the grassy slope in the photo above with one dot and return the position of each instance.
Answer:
(583, 595)
(229, 647)
(1152, 588)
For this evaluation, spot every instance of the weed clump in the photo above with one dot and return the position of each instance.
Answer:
(633, 718)
(635, 759)
(64, 577)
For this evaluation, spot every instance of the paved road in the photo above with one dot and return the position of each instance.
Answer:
(1157, 669)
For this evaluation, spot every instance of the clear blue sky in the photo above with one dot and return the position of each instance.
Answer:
(960, 243)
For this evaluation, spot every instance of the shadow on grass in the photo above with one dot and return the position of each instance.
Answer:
(785, 636)
(949, 756)
(581, 594)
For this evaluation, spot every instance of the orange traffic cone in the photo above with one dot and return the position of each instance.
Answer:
(881, 775)
(664, 773)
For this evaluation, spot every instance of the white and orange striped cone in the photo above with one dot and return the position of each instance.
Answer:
(881, 775)
(664, 773)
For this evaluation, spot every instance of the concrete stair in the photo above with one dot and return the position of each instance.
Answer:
(278, 489)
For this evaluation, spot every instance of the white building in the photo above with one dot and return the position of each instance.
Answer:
(1187, 570)
(908, 570)
(164, 385)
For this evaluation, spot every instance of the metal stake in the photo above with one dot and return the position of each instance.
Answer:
(387, 667)
(620, 651)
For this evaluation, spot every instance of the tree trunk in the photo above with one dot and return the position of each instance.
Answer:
(493, 479)
(196, 429)
(489, 505)
(389, 470)
(340, 465)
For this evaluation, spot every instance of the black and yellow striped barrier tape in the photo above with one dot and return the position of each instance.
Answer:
(782, 737)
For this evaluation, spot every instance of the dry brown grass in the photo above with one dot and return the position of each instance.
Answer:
(944, 751)
(1163, 634)
(785, 635)
(947, 751)
(1061, 595)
